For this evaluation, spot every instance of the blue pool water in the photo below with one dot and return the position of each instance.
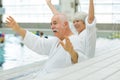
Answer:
(2, 52)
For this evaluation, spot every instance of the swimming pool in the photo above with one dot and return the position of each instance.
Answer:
(15, 54)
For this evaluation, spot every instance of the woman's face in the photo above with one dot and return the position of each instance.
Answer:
(79, 25)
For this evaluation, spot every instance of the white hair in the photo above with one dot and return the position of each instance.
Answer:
(79, 16)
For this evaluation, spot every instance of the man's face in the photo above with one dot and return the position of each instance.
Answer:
(79, 25)
(57, 26)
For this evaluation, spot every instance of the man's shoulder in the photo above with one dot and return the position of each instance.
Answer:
(74, 36)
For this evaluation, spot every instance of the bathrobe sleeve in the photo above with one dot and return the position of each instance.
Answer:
(90, 38)
(37, 44)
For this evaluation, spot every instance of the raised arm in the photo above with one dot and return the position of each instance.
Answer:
(12, 24)
(51, 6)
(91, 11)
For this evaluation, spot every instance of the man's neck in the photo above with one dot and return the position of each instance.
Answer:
(68, 34)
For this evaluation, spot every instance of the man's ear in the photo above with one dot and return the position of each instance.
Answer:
(66, 24)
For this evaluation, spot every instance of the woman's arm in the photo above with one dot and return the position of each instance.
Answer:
(51, 6)
(91, 12)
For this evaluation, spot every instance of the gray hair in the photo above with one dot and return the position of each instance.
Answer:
(79, 16)
(62, 17)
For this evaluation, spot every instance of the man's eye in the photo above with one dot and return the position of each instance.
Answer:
(54, 23)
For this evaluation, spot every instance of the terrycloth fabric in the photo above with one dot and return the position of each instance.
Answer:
(58, 57)
(88, 39)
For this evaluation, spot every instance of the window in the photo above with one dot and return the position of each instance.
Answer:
(32, 11)
(106, 11)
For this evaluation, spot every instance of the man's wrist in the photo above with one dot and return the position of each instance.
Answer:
(74, 56)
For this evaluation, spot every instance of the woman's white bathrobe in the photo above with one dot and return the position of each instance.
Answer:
(88, 38)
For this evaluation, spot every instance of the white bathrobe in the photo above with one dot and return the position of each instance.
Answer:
(58, 57)
(88, 39)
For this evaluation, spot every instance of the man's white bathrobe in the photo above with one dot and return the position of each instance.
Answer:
(58, 57)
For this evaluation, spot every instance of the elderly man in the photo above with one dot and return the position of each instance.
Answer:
(85, 26)
(63, 50)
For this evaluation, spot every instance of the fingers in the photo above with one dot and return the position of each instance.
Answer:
(67, 39)
(62, 44)
(48, 1)
(66, 42)
(10, 22)
(67, 45)
(10, 19)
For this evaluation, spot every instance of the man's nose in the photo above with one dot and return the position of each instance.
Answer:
(52, 26)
